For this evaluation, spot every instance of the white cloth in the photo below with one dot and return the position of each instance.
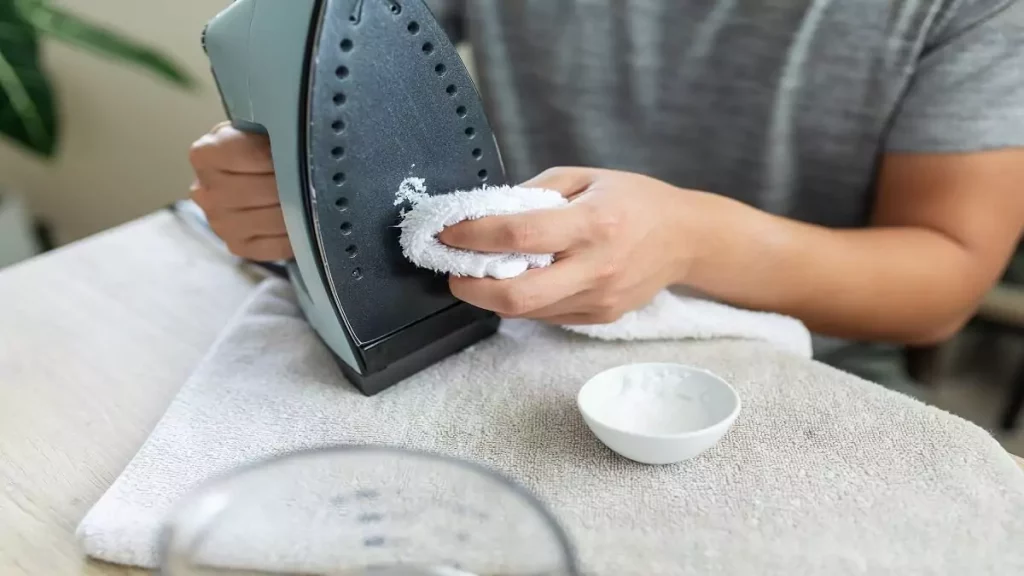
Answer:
(671, 315)
(432, 214)
(822, 473)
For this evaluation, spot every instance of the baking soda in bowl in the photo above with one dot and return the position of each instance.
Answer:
(658, 413)
(651, 401)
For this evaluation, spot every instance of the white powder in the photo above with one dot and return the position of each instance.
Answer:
(411, 190)
(656, 400)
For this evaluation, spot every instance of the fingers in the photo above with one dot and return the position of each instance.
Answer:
(585, 308)
(227, 149)
(565, 180)
(535, 232)
(574, 320)
(566, 307)
(218, 191)
(248, 224)
(588, 307)
(602, 304)
(593, 306)
(236, 188)
(257, 234)
(264, 249)
(534, 290)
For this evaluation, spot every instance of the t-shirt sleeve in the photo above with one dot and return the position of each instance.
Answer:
(967, 93)
(451, 15)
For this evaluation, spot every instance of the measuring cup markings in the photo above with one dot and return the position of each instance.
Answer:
(401, 512)
(355, 502)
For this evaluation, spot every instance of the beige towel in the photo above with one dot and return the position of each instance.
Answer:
(822, 473)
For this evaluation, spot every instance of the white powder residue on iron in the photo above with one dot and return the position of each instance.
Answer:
(411, 190)
(653, 402)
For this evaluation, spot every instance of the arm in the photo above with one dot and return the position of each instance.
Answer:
(943, 229)
(949, 209)
(949, 202)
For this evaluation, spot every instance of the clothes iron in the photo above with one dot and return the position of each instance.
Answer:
(356, 96)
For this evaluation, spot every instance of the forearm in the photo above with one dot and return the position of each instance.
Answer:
(909, 285)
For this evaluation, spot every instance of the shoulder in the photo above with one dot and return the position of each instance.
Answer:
(967, 87)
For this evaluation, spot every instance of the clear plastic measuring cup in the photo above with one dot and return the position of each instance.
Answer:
(366, 511)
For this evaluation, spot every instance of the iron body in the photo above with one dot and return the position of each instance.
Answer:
(356, 96)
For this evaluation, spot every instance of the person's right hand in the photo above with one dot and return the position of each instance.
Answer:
(235, 186)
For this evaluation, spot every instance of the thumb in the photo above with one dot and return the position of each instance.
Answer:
(567, 181)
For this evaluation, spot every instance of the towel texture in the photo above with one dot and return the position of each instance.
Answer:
(670, 316)
(823, 473)
(431, 214)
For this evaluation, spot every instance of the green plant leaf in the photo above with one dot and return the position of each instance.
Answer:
(69, 28)
(28, 113)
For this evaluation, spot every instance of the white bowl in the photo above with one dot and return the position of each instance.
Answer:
(658, 413)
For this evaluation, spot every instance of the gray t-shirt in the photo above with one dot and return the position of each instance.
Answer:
(786, 105)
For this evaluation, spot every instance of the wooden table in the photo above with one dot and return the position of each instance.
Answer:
(95, 341)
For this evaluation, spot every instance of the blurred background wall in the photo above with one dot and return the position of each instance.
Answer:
(126, 134)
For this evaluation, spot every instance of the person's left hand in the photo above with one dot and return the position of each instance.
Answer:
(622, 238)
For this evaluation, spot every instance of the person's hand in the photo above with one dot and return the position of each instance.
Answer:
(236, 188)
(621, 239)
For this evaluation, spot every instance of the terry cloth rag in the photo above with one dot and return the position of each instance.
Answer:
(671, 315)
(822, 473)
